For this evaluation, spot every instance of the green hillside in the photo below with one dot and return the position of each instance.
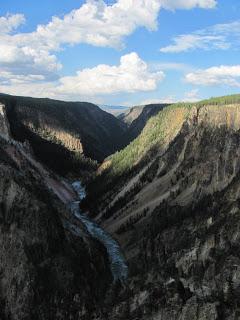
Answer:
(159, 131)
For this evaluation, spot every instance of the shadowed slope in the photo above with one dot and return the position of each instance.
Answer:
(67, 131)
(174, 207)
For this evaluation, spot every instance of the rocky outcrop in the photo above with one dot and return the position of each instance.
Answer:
(4, 125)
(177, 220)
(173, 204)
(136, 119)
(131, 115)
(47, 269)
(74, 133)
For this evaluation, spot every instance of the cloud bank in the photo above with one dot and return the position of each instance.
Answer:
(218, 75)
(131, 75)
(26, 57)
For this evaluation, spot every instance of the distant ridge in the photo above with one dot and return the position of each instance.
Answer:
(115, 110)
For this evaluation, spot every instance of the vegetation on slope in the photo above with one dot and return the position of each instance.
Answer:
(137, 118)
(159, 131)
(180, 233)
(220, 101)
(66, 136)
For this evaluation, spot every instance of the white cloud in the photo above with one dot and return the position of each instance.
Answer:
(191, 96)
(99, 24)
(29, 88)
(131, 75)
(176, 66)
(219, 75)
(167, 99)
(9, 78)
(11, 22)
(95, 23)
(188, 4)
(192, 41)
(220, 36)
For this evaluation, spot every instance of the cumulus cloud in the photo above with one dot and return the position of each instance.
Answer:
(11, 22)
(220, 36)
(227, 75)
(131, 75)
(100, 24)
(95, 22)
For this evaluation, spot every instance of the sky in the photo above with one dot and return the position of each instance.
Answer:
(124, 52)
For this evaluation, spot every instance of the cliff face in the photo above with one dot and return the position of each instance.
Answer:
(171, 199)
(176, 216)
(4, 125)
(73, 133)
(48, 268)
(137, 118)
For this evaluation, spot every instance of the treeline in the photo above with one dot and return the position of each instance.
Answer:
(159, 131)
(225, 100)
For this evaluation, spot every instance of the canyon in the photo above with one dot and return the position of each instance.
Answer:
(130, 218)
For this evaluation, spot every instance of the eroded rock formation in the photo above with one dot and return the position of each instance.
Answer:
(176, 217)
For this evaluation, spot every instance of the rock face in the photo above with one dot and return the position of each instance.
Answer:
(176, 216)
(72, 133)
(136, 119)
(48, 269)
(141, 113)
(171, 199)
(4, 125)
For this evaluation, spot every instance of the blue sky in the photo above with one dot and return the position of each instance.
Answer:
(120, 52)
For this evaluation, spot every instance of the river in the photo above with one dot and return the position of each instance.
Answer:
(118, 265)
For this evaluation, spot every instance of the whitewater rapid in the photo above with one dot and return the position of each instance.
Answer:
(118, 265)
